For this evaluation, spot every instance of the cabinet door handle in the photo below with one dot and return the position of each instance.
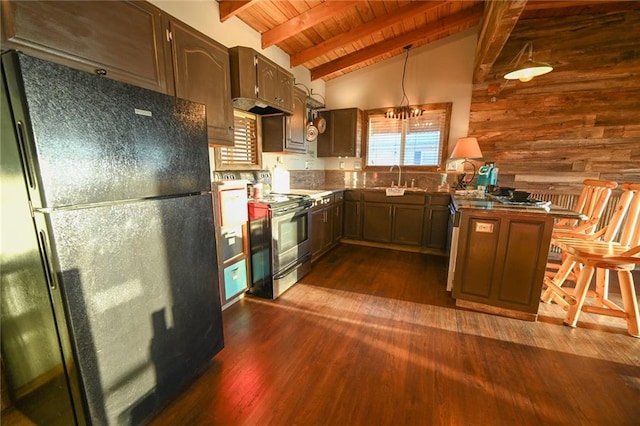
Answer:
(101, 71)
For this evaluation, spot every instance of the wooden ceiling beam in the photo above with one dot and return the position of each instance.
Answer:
(500, 17)
(558, 4)
(230, 8)
(308, 19)
(378, 24)
(469, 16)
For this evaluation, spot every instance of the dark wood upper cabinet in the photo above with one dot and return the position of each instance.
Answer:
(274, 84)
(343, 135)
(129, 41)
(122, 40)
(286, 133)
(201, 72)
(259, 85)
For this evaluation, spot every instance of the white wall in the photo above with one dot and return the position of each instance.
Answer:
(439, 72)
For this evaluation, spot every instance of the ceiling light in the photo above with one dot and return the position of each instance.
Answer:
(403, 111)
(529, 68)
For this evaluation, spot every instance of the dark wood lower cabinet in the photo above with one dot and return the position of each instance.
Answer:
(337, 210)
(501, 261)
(352, 215)
(414, 219)
(396, 220)
(435, 232)
(376, 222)
(326, 224)
(321, 232)
(407, 224)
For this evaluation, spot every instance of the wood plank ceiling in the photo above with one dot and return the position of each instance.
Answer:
(335, 37)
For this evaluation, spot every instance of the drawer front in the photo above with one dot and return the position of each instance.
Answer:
(439, 200)
(231, 243)
(351, 195)
(381, 197)
(235, 279)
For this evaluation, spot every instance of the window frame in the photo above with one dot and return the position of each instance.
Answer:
(220, 166)
(444, 138)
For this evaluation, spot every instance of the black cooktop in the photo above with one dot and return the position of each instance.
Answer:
(519, 202)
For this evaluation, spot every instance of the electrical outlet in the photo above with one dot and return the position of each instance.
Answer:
(342, 165)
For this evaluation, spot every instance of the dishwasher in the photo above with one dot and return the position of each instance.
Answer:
(454, 231)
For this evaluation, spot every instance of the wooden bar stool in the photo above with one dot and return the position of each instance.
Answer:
(570, 269)
(592, 202)
(621, 256)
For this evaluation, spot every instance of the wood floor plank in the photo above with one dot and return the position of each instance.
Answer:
(371, 336)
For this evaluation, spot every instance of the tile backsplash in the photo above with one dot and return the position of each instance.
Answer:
(312, 179)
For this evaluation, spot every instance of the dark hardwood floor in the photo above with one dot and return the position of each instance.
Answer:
(371, 337)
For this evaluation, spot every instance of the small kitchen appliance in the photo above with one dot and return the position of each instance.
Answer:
(487, 175)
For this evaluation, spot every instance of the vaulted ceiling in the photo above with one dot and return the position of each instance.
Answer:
(334, 37)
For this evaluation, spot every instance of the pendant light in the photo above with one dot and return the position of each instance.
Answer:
(529, 68)
(403, 111)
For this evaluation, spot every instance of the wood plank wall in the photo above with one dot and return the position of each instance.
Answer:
(580, 121)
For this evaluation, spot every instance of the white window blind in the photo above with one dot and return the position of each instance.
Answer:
(416, 141)
(245, 142)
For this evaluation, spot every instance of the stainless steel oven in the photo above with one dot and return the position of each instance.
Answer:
(279, 243)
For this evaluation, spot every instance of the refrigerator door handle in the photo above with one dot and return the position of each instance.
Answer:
(25, 154)
(45, 260)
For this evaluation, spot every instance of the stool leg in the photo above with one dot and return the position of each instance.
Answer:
(629, 302)
(580, 293)
(602, 286)
(559, 278)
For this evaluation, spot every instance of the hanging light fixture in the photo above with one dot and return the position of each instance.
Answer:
(403, 111)
(529, 68)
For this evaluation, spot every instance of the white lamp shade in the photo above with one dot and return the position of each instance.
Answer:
(529, 70)
(466, 148)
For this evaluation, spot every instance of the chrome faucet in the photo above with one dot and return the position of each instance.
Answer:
(399, 173)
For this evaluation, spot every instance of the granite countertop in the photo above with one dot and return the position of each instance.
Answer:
(462, 202)
(321, 192)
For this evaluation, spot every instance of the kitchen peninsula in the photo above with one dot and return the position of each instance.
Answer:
(501, 254)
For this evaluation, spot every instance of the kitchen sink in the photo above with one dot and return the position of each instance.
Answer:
(394, 191)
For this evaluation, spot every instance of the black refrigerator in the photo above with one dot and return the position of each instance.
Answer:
(110, 299)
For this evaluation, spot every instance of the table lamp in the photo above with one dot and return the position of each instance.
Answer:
(466, 148)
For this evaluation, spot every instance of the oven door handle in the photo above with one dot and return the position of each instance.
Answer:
(304, 259)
